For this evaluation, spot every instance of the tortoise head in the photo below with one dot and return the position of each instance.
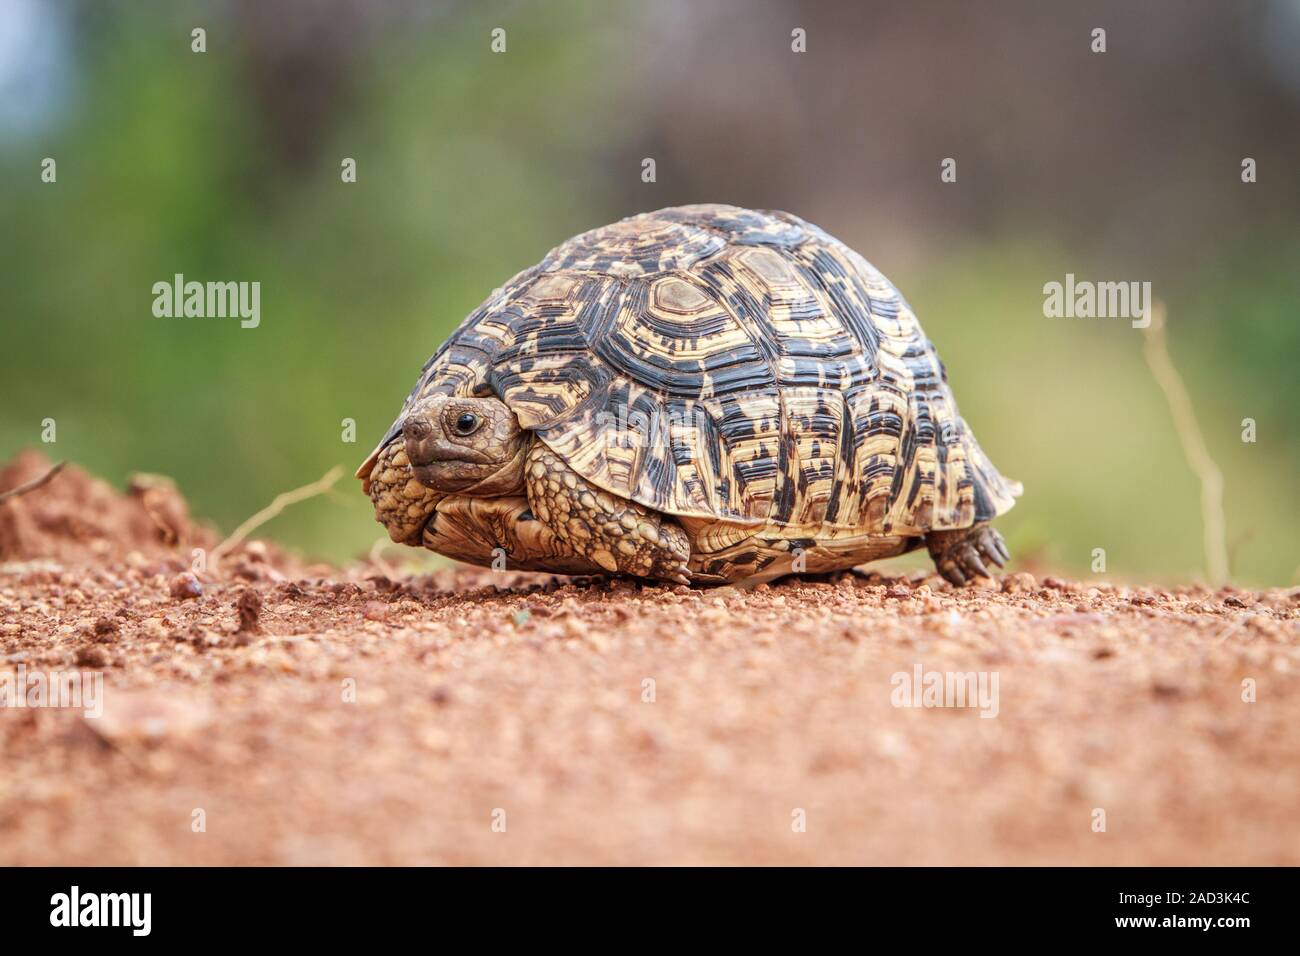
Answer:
(467, 446)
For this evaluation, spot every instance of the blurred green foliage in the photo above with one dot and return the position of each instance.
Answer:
(1069, 407)
(470, 167)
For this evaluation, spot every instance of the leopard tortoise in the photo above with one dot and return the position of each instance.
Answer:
(700, 394)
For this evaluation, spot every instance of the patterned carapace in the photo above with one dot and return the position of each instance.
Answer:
(712, 362)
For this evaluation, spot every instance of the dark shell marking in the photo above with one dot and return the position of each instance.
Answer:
(716, 362)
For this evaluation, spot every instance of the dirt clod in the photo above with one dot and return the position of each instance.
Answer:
(75, 514)
(1019, 583)
(91, 656)
(107, 630)
(249, 608)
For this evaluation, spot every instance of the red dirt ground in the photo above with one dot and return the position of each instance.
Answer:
(485, 697)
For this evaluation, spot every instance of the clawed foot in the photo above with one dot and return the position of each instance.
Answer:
(960, 555)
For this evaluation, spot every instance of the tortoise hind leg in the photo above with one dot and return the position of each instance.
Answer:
(620, 535)
(959, 555)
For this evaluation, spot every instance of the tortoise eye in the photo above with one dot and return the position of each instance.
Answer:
(467, 423)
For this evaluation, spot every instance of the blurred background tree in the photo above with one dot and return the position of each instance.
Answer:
(225, 165)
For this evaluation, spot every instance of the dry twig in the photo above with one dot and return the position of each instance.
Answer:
(282, 501)
(33, 484)
(1189, 433)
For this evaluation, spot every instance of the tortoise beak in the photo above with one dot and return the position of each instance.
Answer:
(427, 453)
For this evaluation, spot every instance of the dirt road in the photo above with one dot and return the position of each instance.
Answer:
(263, 712)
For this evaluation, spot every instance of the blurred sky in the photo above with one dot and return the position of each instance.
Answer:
(224, 165)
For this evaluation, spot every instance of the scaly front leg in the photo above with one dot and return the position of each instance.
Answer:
(619, 535)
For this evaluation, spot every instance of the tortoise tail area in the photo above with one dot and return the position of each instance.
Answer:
(944, 485)
(994, 493)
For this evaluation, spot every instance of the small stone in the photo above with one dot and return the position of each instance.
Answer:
(375, 611)
(186, 586)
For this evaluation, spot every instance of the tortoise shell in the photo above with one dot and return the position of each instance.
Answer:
(721, 363)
